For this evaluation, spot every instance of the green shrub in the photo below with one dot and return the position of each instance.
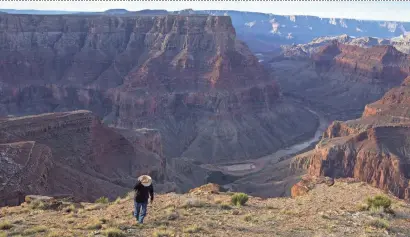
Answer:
(38, 204)
(113, 232)
(379, 202)
(103, 200)
(118, 200)
(379, 223)
(192, 229)
(70, 208)
(239, 199)
(5, 225)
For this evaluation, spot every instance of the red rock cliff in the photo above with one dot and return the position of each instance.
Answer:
(186, 76)
(378, 64)
(374, 149)
(70, 153)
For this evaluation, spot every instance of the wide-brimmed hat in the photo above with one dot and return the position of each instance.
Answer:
(145, 180)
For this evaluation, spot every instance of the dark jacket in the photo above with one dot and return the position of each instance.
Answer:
(142, 193)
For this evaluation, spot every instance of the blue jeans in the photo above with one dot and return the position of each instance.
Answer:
(140, 211)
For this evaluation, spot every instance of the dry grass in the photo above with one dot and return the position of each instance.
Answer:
(379, 223)
(5, 225)
(318, 213)
(96, 225)
(35, 230)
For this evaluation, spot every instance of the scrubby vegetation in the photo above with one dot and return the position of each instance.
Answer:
(379, 223)
(239, 199)
(379, 202)
(5, 225)
(317, 213)
(102, 200)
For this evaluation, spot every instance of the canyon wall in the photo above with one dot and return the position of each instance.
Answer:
(340, 79)
(71, 153)
(374, 148)
(185, 75)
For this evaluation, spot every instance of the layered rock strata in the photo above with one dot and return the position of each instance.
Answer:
(73, 154)
(187, 76)
(341, 79)
(373, 149)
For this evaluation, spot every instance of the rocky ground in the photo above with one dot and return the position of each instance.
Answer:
(324, 211)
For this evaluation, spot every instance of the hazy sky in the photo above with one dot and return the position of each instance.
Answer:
(395, 11)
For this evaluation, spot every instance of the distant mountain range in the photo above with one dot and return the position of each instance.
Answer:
(266, 32)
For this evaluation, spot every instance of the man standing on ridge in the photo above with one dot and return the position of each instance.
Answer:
(143, 190)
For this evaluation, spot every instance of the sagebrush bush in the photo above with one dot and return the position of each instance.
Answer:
(379, 223)
(378, 202)
(103, 200)
(239, 199)
(38, 204)
(5, 225)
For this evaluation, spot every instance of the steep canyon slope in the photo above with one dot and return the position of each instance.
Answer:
(72, 153)
(185, 77)
(338, 78)
(373, 148)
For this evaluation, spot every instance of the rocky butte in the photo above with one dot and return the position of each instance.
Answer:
(186, 77)
(373, 148)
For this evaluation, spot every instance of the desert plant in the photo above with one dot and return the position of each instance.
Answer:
(379, 202)
(247, 218)
(5, 225)
(113, 232)
(239, 199)
(38, 204)
(103, 200)
(118, 200)
(192, 229)
(70, 208)
(379, 223)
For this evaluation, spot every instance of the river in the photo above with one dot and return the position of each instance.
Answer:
(254, 165)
